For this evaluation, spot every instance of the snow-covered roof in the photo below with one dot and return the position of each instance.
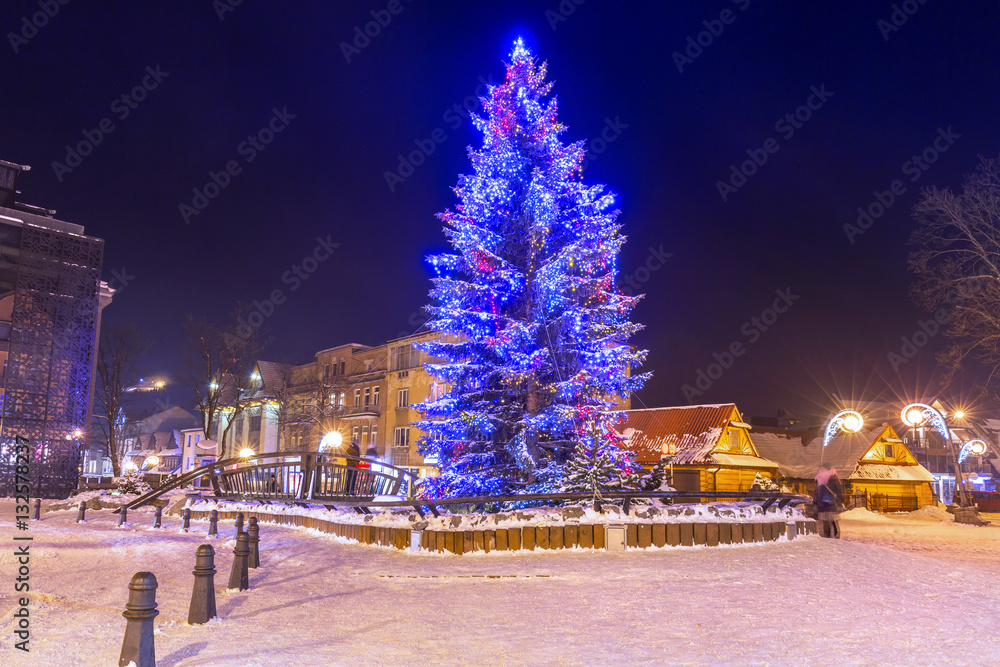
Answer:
(799, 454)
(695, 429)
(272, 377)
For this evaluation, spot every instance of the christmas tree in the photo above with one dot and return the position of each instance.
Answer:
(131, 481)
(537, 331)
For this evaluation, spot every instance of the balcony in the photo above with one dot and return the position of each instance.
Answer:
(362, 412)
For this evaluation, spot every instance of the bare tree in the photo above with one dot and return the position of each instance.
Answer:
(310, 408)
(957, 263)
(116, 357)
(220, 363)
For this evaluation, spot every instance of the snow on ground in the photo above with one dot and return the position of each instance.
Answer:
(899, 592)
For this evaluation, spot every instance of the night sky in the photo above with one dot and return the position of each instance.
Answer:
(880, 94)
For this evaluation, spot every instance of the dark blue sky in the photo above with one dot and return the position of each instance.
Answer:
(883, 96)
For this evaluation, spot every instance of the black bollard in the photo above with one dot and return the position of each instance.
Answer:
(213, 523)
(187, 519)
(123, 517)
(240, 576)
(158, 518)
(137, 647)
(203, 596)
(239, 525)
(253, 531)
(81, 516)
(36, 512)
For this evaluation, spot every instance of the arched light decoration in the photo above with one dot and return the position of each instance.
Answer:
(151, 461)
(916, 415)
(247, 453)
(972, 448)
(331, 440)
(849, 421)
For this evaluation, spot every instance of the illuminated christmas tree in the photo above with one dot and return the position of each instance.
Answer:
(537, 329)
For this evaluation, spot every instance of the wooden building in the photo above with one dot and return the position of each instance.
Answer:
(714, 449)
(875, 461)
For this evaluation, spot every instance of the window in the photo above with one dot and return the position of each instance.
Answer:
(402, 437)
(341, 402)
(404, 357)
(357, 398)
(374, 436)
(364, 438)
(375, 396)
(343, 366)
(888, 451)
(734, 440)
(403, 398)
(368, 396)
(355, 434)
(326, 371)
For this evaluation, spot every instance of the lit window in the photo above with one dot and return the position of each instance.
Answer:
(402, 438)
(374, 437)
(375, 396)
(357, 398)
(368, 396)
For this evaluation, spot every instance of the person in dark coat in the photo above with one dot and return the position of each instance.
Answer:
(826, 499)
(352, 450)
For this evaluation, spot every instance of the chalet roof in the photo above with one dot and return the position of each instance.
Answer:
(799, 454)
(695, 429)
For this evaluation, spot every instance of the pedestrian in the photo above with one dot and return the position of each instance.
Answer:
(274, 483)
(826, 498)
(353, 453)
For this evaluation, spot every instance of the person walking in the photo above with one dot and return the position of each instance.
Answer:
(826, 499)
(352, 464)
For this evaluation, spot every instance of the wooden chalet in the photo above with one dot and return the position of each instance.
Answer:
(714, 448)
(872, 461)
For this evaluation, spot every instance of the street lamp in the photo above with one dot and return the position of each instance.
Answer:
(973, 447)
(151, 461)
(916, 415)
(247, 453)
(332, 440)
(848, 421)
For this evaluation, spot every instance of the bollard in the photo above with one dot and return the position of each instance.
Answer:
(239, 525)
(253, 531)
(240, 576)
(187, 520)
(36, 512)
(158, 518)
(203, 596)
(81, 516)
(139, 612)
(213, 523)
(123, 517)
(790, 530)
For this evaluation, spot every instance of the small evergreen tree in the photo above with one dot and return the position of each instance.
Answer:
(598, 466)
(132, 482)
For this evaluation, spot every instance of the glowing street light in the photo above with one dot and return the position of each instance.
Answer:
(247, 453)
(916, 415)
(975, 447)
(151, 461)
(213, 386)
(130, 465)
(959, 414)
(332, 440)
(848, 421)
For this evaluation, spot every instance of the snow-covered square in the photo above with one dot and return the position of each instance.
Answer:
(909, 589)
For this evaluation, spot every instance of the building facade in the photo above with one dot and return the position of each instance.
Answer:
(50, 306)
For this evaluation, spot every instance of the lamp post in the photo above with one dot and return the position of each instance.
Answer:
(848, 421)
(916, 415)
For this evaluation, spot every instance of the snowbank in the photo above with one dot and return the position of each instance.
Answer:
(931, 513)
(862, 514)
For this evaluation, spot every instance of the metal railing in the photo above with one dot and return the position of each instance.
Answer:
(292, 476)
